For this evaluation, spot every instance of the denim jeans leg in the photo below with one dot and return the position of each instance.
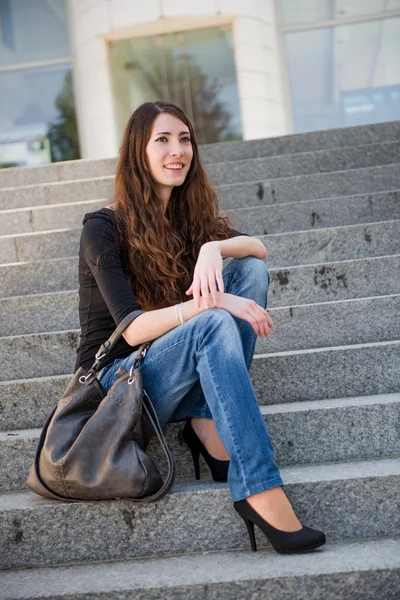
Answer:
(208, 348)
(247, 277)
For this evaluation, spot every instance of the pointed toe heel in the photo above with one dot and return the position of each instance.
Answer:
(284, 542)
(218, 468)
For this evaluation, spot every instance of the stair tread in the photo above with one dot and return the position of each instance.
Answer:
(266, 409)
(299, 474)
(266, 237)
(205, 568)
(234, 164)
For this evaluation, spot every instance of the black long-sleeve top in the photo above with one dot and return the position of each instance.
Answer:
(105, 296)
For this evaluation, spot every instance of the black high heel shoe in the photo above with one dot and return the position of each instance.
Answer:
(284, 542)
(218, 468)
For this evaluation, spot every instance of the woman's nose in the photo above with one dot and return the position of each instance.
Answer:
(176, 150)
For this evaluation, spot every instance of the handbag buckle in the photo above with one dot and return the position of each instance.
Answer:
(83, 378)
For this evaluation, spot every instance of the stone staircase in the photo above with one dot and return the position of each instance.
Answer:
(327, 207)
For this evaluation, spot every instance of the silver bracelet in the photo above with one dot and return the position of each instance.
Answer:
(181, 313)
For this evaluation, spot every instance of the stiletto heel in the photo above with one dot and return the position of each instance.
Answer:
(218, 468)
(284, 542)
(196, 462)
(250, 529)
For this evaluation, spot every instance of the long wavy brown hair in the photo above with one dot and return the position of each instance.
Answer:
(159, 252)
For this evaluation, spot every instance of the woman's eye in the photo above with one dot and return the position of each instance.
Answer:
(163, 138)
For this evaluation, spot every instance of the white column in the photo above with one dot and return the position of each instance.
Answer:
(259, 71)
(89, 19)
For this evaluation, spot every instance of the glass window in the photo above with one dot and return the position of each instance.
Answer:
(296, 12)
(37, 116)
(32, 30)
(180, 68)
(345, 75)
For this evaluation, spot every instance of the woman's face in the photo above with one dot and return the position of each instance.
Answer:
(169, 152)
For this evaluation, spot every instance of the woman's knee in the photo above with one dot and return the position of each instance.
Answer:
(217, 319)
(219, 322)
(254, 267)
(215, 316)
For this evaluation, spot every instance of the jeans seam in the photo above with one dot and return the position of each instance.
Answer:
(149, 361)
(229, 426)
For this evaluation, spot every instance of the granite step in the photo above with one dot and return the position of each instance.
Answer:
(259, 220)
(284, 249)
(309, 187)
(47, 218)
(305, 284)
(359, 429)
(317, 214)
(356, 570)
(213, 153)
(323, 496)
(289, 165)
(334, 323)
(262, 191)
(301, 142)
(332, 372)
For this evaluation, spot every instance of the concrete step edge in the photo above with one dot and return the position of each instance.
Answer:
(294, 178)
(376, 239)
(299, 474)
(330, 404)
(271, 309)
(327, 349)
(289, 205)
(357, 401)
(180, 576)
(55, 184)
(325, 263)
(276, 409)
(67, 332)
(318, 231)
(50, 206)
(355, 347)
(230, 210)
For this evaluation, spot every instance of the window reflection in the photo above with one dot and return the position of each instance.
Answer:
(32, 30)
(37, 116)
(180, 68)
(308, 11)
(345, 75)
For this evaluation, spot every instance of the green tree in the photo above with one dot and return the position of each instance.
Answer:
(63, 133)
(182, 82)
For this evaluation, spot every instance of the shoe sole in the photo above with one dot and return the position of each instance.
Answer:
(300, 550)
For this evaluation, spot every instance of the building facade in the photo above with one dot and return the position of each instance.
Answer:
(73, 71)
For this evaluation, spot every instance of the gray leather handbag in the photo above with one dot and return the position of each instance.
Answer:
(93, 444)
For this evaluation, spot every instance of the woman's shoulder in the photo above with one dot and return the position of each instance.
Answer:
(99, 228)
(100, 217)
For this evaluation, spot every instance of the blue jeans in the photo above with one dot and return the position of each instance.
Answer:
(201, 369)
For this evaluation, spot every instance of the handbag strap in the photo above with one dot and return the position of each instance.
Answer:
(169, 479)
(109, 344)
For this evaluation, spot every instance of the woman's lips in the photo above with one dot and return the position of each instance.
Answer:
(174, 170)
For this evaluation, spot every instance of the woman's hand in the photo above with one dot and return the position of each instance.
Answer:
(248, 310)
(207, 272)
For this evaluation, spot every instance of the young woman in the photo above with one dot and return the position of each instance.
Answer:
(158, 249)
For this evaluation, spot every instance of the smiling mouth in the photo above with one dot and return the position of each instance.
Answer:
(177, 168)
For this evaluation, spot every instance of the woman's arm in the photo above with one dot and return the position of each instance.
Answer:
(154, 323)
(241, 246)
